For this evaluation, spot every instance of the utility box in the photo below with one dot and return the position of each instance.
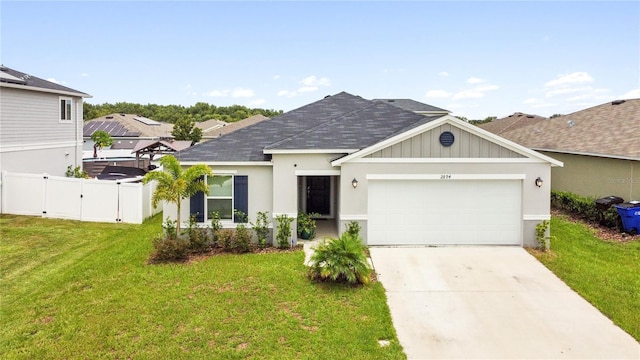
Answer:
(630, 214)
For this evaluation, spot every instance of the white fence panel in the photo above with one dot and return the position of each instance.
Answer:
(63, 198)
(100, 201)
(22, 194)
(131, 203)
(80, 199)
(147, 194)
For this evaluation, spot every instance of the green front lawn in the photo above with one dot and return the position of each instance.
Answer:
(83, 290)
(607, 274)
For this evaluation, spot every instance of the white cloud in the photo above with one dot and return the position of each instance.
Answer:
(218, 93)
(487, 88)
(532, 101)
(84, 75)
(313, 81)
(474, 80)
(53, 80)
(632, 94)
(307, 89)
(242, 93)
(568, 90)
(443, 73)
(257, 102)
(437, 94)
(468, 94)
(570, 79)
(286, 93)
(276, 77)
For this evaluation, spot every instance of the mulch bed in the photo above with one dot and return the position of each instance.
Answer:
(603, 232)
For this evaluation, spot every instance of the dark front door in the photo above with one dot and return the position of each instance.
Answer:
(319, 195)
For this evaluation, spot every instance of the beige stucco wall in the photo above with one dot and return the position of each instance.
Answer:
(596, 176)
(535, 200)
(260, 192)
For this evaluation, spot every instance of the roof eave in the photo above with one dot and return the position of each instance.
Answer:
(584, 153)
(309, 151)
(52, 91)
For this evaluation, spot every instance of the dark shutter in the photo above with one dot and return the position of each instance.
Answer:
(196, 205)
(240, 195)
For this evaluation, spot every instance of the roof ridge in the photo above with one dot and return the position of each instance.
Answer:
(319, 125)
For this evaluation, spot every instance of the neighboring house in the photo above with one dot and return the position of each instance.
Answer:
(512, 122)
(40, 124)
(599, 146)
(405, 177)
(126, 130)
(216, 128)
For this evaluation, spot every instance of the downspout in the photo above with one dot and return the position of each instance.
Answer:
(631, 181)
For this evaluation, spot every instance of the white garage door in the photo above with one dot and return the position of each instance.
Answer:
(437, 212)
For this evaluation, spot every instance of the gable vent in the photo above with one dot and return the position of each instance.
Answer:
(617, 102)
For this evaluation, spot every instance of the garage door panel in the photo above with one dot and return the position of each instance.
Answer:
(431, 212)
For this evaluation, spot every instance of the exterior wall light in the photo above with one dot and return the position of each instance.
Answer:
(539, 182)
(354, 183)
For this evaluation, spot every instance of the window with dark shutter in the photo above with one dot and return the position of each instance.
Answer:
(241, 194)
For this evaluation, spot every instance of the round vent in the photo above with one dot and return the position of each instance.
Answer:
(447, 138)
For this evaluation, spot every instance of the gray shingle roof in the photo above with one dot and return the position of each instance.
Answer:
(20, 78)
(412, 105)
(342, 121)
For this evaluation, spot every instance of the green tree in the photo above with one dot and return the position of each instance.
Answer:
(100, 139)
(174, 184)
(555, 116)
(185, 129)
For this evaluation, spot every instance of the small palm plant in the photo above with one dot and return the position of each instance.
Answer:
(341, 259)
(100, 139)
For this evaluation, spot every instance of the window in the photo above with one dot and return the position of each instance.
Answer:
(220, 196)
(65, 109)
(226, 193)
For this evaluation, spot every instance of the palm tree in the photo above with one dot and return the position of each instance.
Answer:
(100, 139)
(174, 184)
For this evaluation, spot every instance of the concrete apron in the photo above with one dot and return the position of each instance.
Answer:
(491, 303)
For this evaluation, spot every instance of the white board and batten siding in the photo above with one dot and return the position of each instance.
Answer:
(445, 209)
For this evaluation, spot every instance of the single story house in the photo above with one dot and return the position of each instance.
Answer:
(407, 178)
(599, 148)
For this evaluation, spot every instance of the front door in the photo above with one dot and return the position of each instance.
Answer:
(319, 195)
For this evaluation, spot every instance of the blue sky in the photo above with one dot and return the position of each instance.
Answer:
(477, 59)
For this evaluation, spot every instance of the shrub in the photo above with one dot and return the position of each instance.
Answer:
(215, 226)
(199, 241)
(168, 249)
(226, 239)
(242, 243)
(353, 229)
(541, 235)
(584, 207)
(340, 259)
(76, 172)
(170, 229)
(284, 231)
(261, 227)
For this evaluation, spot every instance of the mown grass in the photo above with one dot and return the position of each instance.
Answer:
(607, 274)
(75, 290)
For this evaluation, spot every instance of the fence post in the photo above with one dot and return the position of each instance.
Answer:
(45, 176)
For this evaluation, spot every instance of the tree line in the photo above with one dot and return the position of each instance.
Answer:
(172, 113)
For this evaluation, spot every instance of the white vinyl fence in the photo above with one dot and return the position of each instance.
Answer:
(76, 199)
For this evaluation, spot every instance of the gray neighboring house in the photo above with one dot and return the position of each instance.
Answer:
(406, 178)
(598, 145)
(40, 124)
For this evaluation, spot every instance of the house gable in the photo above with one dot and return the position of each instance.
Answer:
(427, 145)
(423, 142)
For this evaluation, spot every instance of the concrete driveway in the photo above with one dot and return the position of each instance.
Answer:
(491, 303)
